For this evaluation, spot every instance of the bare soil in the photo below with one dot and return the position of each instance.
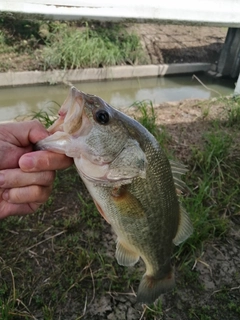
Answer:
(179, 43)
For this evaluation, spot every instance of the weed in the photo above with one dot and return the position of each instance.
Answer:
(47, 118)
(153, 312)
(200, 313)
(47, 313)
(2, 38)
(66, 44)
(234, 112)
(147, 117)
(212, 192)
(68, 47)
(216, 150)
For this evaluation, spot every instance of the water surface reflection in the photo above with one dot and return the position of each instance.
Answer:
(119, 93)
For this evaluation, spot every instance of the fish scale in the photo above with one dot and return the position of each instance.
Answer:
(131, 182)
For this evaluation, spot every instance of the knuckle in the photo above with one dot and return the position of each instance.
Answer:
(29, 194)
(16, 195)
(44, 178)
(49, 177)
(46, 191)
(39, 194)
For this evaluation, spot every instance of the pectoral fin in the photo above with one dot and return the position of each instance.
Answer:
(125, 256)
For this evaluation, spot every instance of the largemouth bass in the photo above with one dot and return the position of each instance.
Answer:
(131, 182)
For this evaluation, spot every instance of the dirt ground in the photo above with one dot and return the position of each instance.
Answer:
(179, 44)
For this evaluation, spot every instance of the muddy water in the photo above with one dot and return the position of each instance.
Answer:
(22, 101)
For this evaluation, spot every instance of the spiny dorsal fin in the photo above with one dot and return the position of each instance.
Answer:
(185, 227)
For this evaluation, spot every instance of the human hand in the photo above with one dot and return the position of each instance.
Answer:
(26, 177)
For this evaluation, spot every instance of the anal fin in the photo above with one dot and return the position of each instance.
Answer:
(125, 256)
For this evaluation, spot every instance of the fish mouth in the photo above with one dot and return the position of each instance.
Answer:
(72, 124)
(70, 114)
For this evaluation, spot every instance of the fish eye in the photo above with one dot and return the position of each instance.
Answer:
(102, 116)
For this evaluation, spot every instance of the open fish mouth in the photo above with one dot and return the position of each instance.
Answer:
(70, 114)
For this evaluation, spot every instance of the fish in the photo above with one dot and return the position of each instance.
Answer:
(131, 181)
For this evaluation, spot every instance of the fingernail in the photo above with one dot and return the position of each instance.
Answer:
(2, 179)
(27, 162)
(5, 195)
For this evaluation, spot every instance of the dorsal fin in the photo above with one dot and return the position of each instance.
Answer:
(178, 170)
(185, 227)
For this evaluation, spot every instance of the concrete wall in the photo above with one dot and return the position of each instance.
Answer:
(97, 74)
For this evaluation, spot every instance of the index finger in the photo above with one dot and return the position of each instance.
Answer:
(23, 133)
(44, 161)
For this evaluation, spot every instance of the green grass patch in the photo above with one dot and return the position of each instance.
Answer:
(213, 194)
(66, 45)
(70, 47)
(147, 115)
(47, 118)
(147, 118)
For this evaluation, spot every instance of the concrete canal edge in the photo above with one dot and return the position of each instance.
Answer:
(11, 79)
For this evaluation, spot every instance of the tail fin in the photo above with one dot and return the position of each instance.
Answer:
(151, 288)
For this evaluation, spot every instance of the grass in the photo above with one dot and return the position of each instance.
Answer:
(146, 116)
(55, 263)
(69, 47)
(213, 191)
(47, 118)
(40, 239)
(227, 302)
(65, 45)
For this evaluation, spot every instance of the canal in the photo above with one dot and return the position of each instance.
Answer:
(21, 101)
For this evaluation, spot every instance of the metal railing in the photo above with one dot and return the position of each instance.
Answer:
(205, 12)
